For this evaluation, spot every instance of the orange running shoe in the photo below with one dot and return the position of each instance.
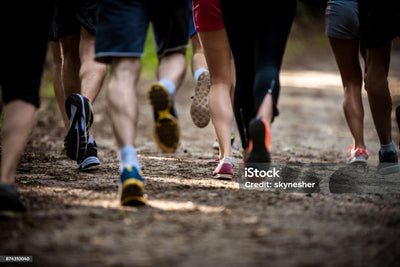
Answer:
(259, 142)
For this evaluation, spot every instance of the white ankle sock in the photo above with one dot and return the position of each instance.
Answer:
(129, 157)
(229, 160)
(170, 85)
(197, 73)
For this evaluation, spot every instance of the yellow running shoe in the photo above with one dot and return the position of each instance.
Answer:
(166, 128)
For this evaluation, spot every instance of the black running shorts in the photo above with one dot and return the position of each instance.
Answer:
(22, 55)
(379, 21)
(69, 15)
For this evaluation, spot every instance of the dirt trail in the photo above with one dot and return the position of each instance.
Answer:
(192, 220)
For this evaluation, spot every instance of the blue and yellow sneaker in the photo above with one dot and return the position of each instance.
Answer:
(132, 187)
(166, 128)
(79, 112)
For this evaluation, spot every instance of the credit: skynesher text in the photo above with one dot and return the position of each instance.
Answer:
(279, 185)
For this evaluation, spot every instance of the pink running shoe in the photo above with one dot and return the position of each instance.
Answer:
(358, 155)
(224, 170)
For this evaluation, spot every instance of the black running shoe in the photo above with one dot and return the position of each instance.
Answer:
(9, 199)
(259, 141)
(388, 162)
(79, 112)
(90, 159)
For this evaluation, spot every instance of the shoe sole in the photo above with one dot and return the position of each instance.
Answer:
(75, 142)
(199, 110)
(88, 162)
(259, 153)
(223, 176)
(166, 128)
(390, 169)
(132, 193)
(357, 160)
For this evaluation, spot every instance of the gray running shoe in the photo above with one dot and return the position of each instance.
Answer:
(388, 162)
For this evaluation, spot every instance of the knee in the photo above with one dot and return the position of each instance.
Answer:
(376, 85)
(92, 68)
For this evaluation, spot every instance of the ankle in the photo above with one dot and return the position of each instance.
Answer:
(359, 146)
(230, 160)
(129, 157)
(391, 147)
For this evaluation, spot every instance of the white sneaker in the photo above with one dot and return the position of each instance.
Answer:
(199, 108)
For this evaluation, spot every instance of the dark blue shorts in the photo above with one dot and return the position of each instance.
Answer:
(69, 15)
(122, 27)
(341, 20)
